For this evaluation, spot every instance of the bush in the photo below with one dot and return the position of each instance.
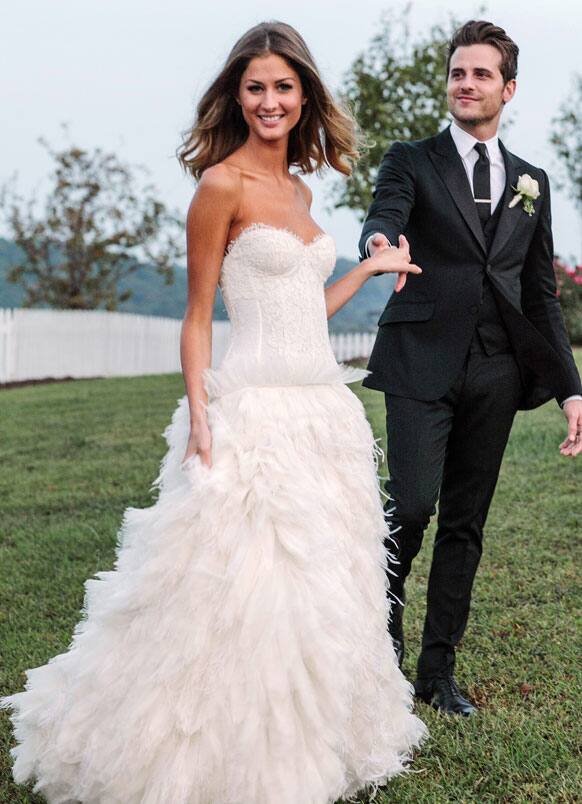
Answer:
(569, 290)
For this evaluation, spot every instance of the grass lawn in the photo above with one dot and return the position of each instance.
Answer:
(75, 455)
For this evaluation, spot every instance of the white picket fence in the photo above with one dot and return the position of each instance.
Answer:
(41, 344)
(351, 345)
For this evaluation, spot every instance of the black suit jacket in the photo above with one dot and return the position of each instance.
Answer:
(425, 330)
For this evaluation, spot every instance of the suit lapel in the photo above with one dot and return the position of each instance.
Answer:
(509, 218)
(449, 165)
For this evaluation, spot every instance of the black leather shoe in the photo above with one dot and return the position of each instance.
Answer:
(443, 694)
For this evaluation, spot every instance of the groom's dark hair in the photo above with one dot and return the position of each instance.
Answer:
(480, 32)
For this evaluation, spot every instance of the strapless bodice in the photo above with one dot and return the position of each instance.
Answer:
(273, 288)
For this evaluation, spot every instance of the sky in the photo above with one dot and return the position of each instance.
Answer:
(125, 75)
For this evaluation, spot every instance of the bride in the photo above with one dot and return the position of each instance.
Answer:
(238, 652)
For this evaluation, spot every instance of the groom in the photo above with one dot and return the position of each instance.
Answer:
(466, 344)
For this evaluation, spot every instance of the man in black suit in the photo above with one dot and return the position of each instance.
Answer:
(466, 344)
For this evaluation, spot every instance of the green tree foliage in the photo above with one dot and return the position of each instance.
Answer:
(566, 137)
(396, 90)
(97, 225)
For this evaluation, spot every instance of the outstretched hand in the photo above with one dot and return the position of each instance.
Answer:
(391, 259)
(572, 445)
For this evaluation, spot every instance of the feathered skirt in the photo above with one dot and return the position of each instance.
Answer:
(238, 651)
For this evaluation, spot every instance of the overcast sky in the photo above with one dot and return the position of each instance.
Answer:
(125, 75)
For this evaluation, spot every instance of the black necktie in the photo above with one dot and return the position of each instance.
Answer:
(482, 183)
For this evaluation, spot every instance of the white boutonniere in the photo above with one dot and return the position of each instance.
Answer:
(527, 190)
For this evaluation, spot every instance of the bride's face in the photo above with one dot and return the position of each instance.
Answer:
(271, 97)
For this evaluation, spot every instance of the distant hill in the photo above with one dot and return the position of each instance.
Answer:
(151, 296)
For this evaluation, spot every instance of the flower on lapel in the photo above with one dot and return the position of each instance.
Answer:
(527, 190)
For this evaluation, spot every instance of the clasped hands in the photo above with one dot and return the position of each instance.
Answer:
(386, 258)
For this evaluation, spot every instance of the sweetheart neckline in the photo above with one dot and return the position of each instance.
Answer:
(255, 226)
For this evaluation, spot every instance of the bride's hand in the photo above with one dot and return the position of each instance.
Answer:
(199, 442)
(390, 260)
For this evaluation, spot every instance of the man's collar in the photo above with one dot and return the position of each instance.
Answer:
(465, 142)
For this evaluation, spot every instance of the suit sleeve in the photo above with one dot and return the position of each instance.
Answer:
(539, 300)
(393, 196)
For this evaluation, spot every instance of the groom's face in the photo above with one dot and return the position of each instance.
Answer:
(476, 90)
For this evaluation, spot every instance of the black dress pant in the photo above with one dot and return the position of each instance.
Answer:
(450, 449)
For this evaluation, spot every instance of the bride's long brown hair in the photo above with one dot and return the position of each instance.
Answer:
(326, 134)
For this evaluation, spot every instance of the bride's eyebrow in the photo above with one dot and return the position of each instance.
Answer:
(277, 80)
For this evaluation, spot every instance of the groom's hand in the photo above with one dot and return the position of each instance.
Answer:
(573, 443)
(378, 242)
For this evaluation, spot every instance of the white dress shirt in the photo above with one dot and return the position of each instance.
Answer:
(465, 145)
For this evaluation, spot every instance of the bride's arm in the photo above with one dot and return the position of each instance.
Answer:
(388, 260)
(207, 225)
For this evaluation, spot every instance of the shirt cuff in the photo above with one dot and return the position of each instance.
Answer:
(569, 399)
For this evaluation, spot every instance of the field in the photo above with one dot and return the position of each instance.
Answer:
(74, 455)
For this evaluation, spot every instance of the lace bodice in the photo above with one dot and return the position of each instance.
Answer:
(273, 288)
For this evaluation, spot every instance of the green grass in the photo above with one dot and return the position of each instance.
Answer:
(75, 455)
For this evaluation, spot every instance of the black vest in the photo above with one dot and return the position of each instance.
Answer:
(490, 331)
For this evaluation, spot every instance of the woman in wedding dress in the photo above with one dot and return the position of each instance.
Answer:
(238, 652)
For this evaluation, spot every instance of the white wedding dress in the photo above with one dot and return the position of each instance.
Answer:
(238, 652)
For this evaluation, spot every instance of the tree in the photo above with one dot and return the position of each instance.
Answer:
(566, 137)
(396, 90)
(97, 225)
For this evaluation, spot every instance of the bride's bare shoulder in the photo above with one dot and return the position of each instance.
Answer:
(221, 178)
(218, 191)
